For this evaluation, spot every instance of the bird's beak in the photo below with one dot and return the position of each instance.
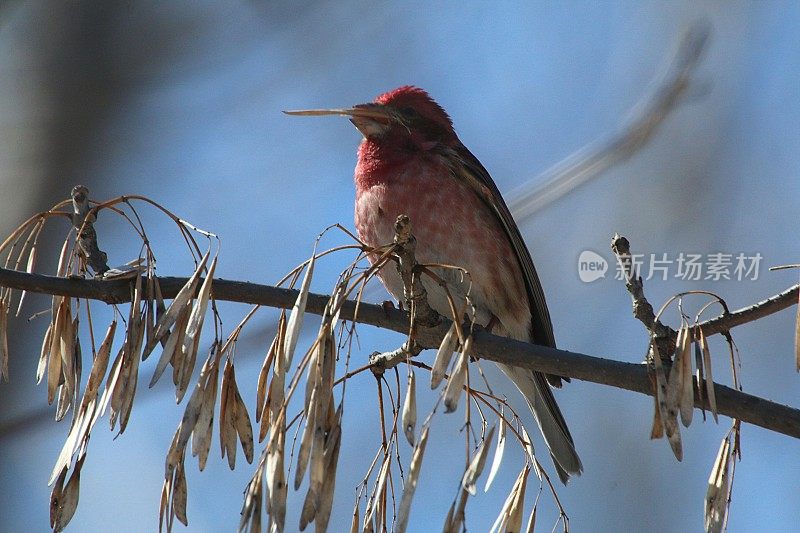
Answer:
(370, 119)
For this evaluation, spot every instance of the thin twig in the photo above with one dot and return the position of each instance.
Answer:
(642, 309)
(773, 304)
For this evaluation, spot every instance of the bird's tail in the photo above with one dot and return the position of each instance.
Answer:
(533, 385)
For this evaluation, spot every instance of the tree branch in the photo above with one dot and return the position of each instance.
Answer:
(754, 312)
(628, 376)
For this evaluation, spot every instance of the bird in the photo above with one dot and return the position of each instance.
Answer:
(411, 161)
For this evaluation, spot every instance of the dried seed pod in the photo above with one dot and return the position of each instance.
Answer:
(354, 524)
(309, 511)
(163, 508)
(657, 428)
(498, 454)
(62, 404)
(55, 498)
(410, 408)
(171, 346)
(443, 356)
(332, 445)
(44, 354)
(78, 366)
(458, 378)
(127, 375)
(263, 375)
(449, 519)
(306, 441)
(63, 259)
(274, 402)
(118, 380)
(161, 309)
(675, 380)
(455, 516)
(195, 324)
(298, 311)
(276, 475)
(125, 384)
(251, 507)
(149, 311)
(531, 527)
(514, 520)
(227, 415)
(411, 483)
(243, 426)
(186, 368)
(510, 517)
(327, 369)
(375, 509)
(31, 261)
(99, 366)
(318, 463)
(185, 429)
(67, 348)
(667, 402)
(712, 398)
(176, 308)
(68, 501)
(133, 355)
(202, 434)
(275, 395)
(113, 375)
(54, 374)
(687, 391)
(179, 495)
(475, 468)
(716, 502)
(699, 372)
(130, 392)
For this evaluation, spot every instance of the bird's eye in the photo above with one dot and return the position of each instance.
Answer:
(409, 112)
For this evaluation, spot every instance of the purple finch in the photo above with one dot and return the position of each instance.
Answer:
(412, 162)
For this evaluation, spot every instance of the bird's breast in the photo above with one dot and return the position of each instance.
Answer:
(453, 226)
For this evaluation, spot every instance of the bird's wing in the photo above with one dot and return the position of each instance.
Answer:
(533, 385)
(467, 168)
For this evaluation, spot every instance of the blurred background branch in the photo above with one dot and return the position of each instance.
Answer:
(597, 157)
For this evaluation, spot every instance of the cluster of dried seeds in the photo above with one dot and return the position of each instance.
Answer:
(675, 398)
(177, 329)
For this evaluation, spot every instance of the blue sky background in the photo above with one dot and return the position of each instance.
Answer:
(181, 102)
